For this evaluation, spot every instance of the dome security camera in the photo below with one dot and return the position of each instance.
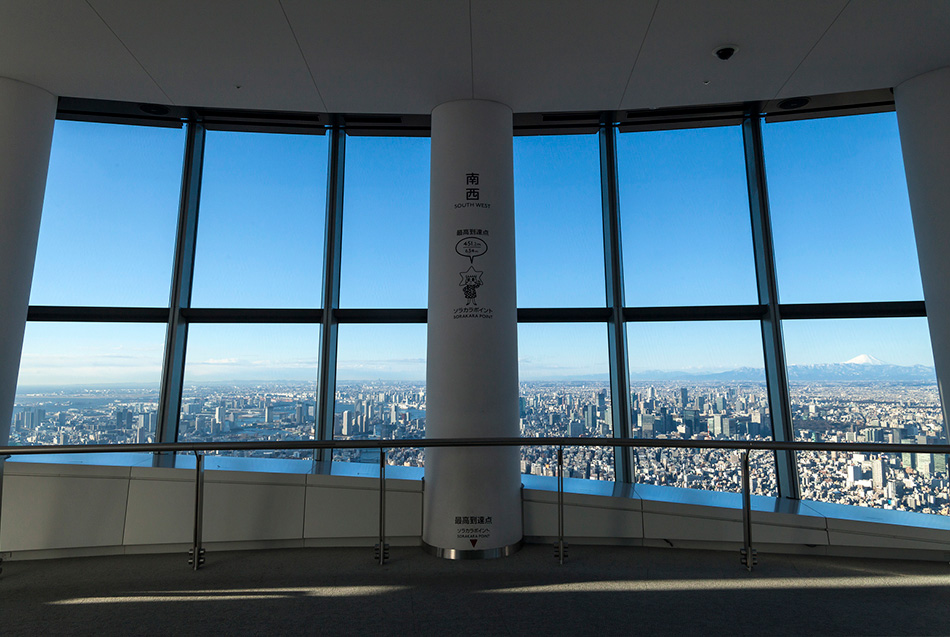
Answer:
(725, 52)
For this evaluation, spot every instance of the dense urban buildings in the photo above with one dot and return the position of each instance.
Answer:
(906, 412)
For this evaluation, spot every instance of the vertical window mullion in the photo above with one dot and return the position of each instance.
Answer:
(173, 369)
(333, 242)
(616, 335)
(773, 345)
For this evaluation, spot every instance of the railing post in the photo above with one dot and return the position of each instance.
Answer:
(522, 501)
(196, 556)
(749, 558)
(382, 549)
(560, 548)
(3, 462)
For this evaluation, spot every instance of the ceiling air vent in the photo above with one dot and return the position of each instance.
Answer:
(154, 109)
(382, 120)
(793, 103)
(570, 117)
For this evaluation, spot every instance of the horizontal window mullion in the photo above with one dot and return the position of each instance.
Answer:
(85, 314)
(563, 315)
(885, 309)
(410, 315)
(251, 315)
(695, 313)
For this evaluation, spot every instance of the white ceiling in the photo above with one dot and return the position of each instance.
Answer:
(407, 56)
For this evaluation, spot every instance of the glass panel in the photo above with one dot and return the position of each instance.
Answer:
(250, 383)
(88, 383)
(107, 235)
(685, 224)
(380, 390)
(385, 259)
(840, 215)
(262, 220)
(565, 391)
(904, 481)
(867, 380)
(699, 381)
(558, 221)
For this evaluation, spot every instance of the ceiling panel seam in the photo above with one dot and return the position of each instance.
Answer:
(129, 51)
(812, 48)
(293, 32)
(636, 59)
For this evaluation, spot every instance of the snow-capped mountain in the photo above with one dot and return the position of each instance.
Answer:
(864, 359)
(863, 367)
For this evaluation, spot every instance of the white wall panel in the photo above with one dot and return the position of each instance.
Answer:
(585, 516)
(349, 507)
(238, 510)
(161, 506)
(90, 510)
(54, 506)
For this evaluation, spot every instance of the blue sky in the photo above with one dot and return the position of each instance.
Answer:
(276, 186)
(685, 224)
(107, 235)
(841, 219)
(840, 216)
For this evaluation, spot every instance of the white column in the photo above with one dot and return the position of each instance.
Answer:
(472, 495)
(26, 132)
(923, 117)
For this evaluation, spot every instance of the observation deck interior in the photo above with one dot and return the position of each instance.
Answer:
(726, 218)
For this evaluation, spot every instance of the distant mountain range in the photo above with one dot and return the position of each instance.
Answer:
(862, 371)
(859, 368)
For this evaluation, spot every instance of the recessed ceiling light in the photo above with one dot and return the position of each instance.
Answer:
(154, 109)
(793, 102)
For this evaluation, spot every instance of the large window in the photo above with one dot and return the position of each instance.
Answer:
(558, 221)
(381, 368)
(840, 215)
(380, 390)
(261, 221)
(250, 382)
(385, 223)
(107, 239)
(699, 381)
(687, 239)
(88, 383)
(867, 380)
(107, 235)
(641, 287)
(565, 391)
(843, 234)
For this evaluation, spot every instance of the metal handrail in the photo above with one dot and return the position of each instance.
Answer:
(546, 441)
(748, 556)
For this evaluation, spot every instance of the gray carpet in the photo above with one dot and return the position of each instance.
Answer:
(598, 591)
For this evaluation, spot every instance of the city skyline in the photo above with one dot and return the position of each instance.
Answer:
(896, 412)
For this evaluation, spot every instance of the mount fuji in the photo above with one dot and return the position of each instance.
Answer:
(864, 359)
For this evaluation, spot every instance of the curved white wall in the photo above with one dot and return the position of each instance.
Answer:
(923, 118)
(26, 134)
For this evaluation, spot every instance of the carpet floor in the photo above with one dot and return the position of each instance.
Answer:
(598, 591)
